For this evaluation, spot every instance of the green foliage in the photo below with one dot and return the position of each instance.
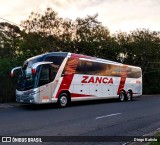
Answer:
(142, 48)
(157, 136)
(6, 85)
(9, 40)
(48, 32)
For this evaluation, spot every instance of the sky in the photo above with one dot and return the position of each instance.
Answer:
(117, 15)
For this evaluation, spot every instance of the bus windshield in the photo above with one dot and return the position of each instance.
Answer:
(45, 73)
(26, 79)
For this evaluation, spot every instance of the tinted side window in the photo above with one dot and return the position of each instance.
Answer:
(46, 75)
(71, 65)
(90, 68)
(133, 72)
(102, 69)
(57, 60)
(114, 70)
(96, 68)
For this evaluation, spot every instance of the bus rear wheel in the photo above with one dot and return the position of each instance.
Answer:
(129, 96)
(63, 100)
(122, 96)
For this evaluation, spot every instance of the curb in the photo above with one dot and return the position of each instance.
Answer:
(8, 105)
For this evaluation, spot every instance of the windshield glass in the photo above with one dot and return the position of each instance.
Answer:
(26, 79)
(25, 82)
(45, 73)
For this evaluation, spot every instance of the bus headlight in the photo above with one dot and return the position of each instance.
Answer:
(31, 100)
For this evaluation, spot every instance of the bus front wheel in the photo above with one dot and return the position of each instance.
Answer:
(63, 100)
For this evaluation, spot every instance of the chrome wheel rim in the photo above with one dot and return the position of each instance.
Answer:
(128, 96)
(63, 101)
(122, 97)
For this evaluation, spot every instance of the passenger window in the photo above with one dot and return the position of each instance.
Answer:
(46, 75)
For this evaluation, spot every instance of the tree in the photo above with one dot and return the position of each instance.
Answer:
(142, 48)
(92, 38)
(46, 28)
(9, 39)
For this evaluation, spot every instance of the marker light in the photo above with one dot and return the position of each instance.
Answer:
(33, 71)
(11, 74)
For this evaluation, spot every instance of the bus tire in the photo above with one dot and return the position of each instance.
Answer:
(122, 96)
(129, 96)
(63, 100)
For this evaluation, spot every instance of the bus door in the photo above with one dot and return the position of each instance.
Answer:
(44, 72)
(46, 77)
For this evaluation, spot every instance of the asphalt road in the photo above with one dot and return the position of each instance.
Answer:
(91, 118)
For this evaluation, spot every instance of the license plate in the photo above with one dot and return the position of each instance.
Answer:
(21, 101)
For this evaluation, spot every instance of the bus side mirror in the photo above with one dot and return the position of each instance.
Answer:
(12, 71)
(35, 65)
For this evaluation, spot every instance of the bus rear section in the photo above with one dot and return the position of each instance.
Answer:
(93, 78)
(65, 77)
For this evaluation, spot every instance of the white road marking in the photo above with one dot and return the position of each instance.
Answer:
(127, 143)
(108, 115)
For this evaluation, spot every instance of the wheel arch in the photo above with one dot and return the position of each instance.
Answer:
(122, 90)
(67, 92)
(130, 90)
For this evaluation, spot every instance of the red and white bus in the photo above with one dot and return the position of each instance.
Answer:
(63, 77)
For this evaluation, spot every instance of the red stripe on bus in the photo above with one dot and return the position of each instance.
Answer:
(123, 79)
(79, 95)
(70, 70)
(65, 84)
(135, 93)
(121, 85)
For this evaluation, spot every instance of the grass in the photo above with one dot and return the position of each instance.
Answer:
(157, 135)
